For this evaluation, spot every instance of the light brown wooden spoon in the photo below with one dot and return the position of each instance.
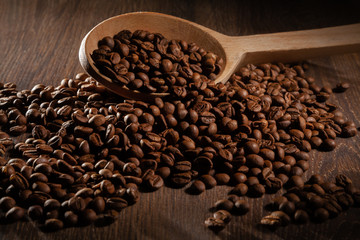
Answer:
(236, 51)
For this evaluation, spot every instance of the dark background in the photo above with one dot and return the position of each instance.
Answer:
(39, 42)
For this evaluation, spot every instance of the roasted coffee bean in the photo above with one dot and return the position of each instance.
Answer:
(197, 187)
(77, 204)
(271, 221)
(222, 215)
(329, 144)
(51, 204)
(301, 216)
(215, 224)
(241, 207)
(155, 182)
(284, 218)
(19, 181)
(15, 214)
(321, 215)
(70, 218)
(35, 212)
(287, 207)
(240, 189)
(256, 190)
(224, 204)
(209, 181)
(7, 203)
(53, 224)
(88, 216)
(181, 179)
(222, 178)
(255, 160)
(253, 132)
(296, 181)
(342, 87)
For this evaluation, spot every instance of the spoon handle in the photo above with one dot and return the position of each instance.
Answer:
(298, 45)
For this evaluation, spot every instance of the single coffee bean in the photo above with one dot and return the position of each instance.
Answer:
(70, 218)
(296, 181)
(215, 224)
(35, 212)
(256, 190)
(77, 204)
(53, 224)
(301, 216)
(222, 178)
(209, 181)
(224, 204)
(88, 216)
(116, 203)
(197, 187)
(155, 182)
(284, 218)
(7, 203)
(287, 207)
(321, 215)
(240, 189)
(222, 215)
(329, 144)
(241, 207)
(15, 213)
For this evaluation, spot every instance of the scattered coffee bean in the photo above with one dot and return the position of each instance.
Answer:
(215, 224)
(89, 151)
(222, 215)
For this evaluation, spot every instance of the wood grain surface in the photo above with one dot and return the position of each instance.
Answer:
(39, 42)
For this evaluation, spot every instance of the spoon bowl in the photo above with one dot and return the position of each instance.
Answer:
(235, 51)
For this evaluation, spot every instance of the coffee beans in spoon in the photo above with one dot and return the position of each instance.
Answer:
(151, 63)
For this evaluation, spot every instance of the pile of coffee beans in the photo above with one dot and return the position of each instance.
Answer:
(85, 154)
(150, 63)
(316, 200)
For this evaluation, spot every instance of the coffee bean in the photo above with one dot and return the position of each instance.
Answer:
(240, 189)
(255, 160)
(35, 212)
(77, 204)
(222, 178)
(181, 179)
(296, 181)
(116, 203)
(98, 204)
(256, 190)
(70, 218)
(222, 215)
(51, 204)
(209, 181)
(215, 224)
(321, 215)
(155, 182)
(15, 213)
(301, 216)
(97, 120)
(329, 144)
(241, 207)
(271, 221)
(341, 87)
(88, 216)
(7, 203)
(224, 204)
(53, 224)
(287, 207)
(197, 187)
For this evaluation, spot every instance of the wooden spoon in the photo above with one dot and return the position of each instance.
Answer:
(236, 51)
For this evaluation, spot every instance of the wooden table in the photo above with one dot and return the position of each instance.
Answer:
(39, 44)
